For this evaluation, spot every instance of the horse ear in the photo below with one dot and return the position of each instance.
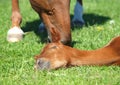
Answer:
(55, 35)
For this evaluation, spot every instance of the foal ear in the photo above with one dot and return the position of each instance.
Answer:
(115, 43)
(55, 35)
(36, 57)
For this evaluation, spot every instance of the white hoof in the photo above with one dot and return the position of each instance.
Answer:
(15, 34)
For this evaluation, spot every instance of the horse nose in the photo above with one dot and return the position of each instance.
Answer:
(66, 42)
(42, 64)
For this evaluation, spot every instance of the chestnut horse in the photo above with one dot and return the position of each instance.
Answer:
(54, 13)
(56, 55)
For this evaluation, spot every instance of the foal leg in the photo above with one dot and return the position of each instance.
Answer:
(15, 33)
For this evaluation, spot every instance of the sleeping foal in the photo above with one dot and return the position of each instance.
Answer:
(56, 55)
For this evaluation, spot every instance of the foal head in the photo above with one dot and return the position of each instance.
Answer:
(52, 56)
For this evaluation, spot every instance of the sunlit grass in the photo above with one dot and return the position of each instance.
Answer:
(17, 59)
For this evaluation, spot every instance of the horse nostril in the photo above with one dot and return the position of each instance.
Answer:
(43, 64)
(66, 42)
(49, 40)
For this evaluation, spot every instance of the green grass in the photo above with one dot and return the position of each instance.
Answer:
(17, 59)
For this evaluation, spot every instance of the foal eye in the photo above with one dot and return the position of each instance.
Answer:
(54, 47)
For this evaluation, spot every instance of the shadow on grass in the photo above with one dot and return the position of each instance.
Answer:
(90, 19)
(34, 26)
(93, 19)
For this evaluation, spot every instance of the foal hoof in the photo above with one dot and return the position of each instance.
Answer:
(42, 64)
(15, 34)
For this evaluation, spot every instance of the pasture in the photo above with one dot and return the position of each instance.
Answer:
(102, 19)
